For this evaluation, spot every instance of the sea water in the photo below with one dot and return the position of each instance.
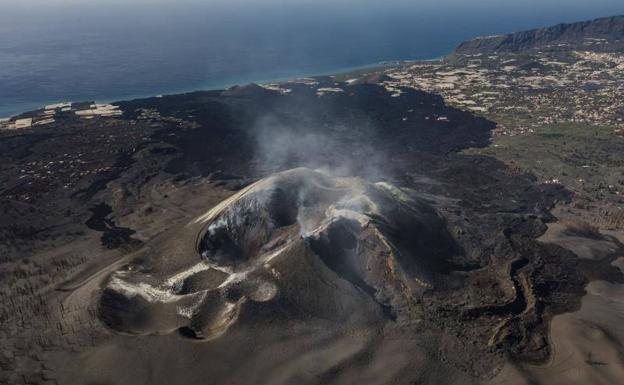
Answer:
(105, 50)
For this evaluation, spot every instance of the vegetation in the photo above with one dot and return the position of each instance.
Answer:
(584, 158)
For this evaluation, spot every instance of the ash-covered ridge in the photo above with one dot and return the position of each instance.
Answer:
(362, 231)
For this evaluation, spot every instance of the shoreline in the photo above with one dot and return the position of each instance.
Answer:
(335, 72)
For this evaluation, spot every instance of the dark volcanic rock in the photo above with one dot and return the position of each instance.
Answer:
(445, 263)
(251, 130)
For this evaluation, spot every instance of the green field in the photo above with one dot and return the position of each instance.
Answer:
(586, 159)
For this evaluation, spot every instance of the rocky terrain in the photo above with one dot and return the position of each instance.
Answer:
(366, 228)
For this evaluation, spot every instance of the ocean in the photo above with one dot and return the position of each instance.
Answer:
(105, 50)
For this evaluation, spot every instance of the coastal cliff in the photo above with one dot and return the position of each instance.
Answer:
(604, 34)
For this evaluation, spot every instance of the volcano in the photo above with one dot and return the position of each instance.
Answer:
(304, 245)
(371, 247)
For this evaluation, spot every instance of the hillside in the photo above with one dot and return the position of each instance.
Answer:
(604, 34)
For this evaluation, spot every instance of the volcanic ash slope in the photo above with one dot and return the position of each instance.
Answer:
(300, 241)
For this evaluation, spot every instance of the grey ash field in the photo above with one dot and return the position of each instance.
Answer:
(361, 228)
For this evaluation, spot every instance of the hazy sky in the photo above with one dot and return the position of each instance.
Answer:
(566, 8)
(511, 4)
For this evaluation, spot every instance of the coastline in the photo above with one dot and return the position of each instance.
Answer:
(29, 107)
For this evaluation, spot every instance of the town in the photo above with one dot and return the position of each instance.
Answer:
(523, 91)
